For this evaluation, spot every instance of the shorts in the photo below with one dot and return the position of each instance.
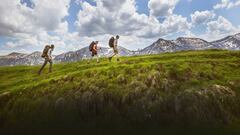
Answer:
(115, 50)
(94, 53)
(48, 59)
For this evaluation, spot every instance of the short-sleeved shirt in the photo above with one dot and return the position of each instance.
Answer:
(115, 49)
(116, 42)
(94, 52)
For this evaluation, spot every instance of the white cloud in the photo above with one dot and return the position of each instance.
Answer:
(228, 4)
(65, 42)
(112, 5)
(49, 13)
(32, 28)
(219, 28)
(201, 17)
(125, 20)
(176, 23)
(162, 7)
(18, 18)
(43, 24)
(28, 28)
(171, 24)
(188, 33)
(221, 25)
(97, 20)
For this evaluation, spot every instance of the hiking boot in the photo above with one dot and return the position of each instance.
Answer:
(118, 59)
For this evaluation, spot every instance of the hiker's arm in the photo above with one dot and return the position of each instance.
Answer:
(115, 42)
(95, 48)
(50, 54)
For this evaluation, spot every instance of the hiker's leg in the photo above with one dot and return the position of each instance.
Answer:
(93, 57)
(110, 58)
(50, 66)
(117, 56)
(97, 58)
(44, 64)
(90, 59)
(116, 53)
(113, 54)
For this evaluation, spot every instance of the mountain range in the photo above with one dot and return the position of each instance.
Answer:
(161, 45)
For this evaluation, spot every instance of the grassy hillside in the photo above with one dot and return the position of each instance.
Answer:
(144, 94)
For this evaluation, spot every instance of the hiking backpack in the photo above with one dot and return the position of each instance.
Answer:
(45, 51)
(111, 42)
(91, 46)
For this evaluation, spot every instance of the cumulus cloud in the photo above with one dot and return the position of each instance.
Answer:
(63, 42)
(228, 4)
(221, 25)
(29, 28)
(219, 28)
(44, 15)
(176, 23)
(171, 24)
(201, 17)
(42, 23)
(97, 20)
(162, 7)
(125, 20)
(112, 5)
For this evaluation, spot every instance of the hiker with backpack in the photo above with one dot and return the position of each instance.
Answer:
(93, 48)
(113, 43)
(47, 55)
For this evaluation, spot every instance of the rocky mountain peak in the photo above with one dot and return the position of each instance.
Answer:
(161, 45)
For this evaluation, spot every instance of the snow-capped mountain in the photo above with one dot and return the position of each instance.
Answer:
(160, 46)
(179, 44)
(11, 58)
(192, 44)
(16, 55)
(31, 59)
(229, 43)
(84, 53)
(183, 43)
(21, 59)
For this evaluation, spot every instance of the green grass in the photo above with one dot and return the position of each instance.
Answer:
(189, 89)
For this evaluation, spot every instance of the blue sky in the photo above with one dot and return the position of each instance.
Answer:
(27, 25)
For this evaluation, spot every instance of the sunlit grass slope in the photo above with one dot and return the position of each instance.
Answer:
(182, 89)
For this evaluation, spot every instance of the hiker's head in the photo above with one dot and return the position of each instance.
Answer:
(52, 46)
(117, 36)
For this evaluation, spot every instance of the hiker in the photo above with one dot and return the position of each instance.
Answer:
(93, 47)
(47, 55)
(113, 43)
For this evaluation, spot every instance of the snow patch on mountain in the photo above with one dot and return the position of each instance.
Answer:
(160, 46)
